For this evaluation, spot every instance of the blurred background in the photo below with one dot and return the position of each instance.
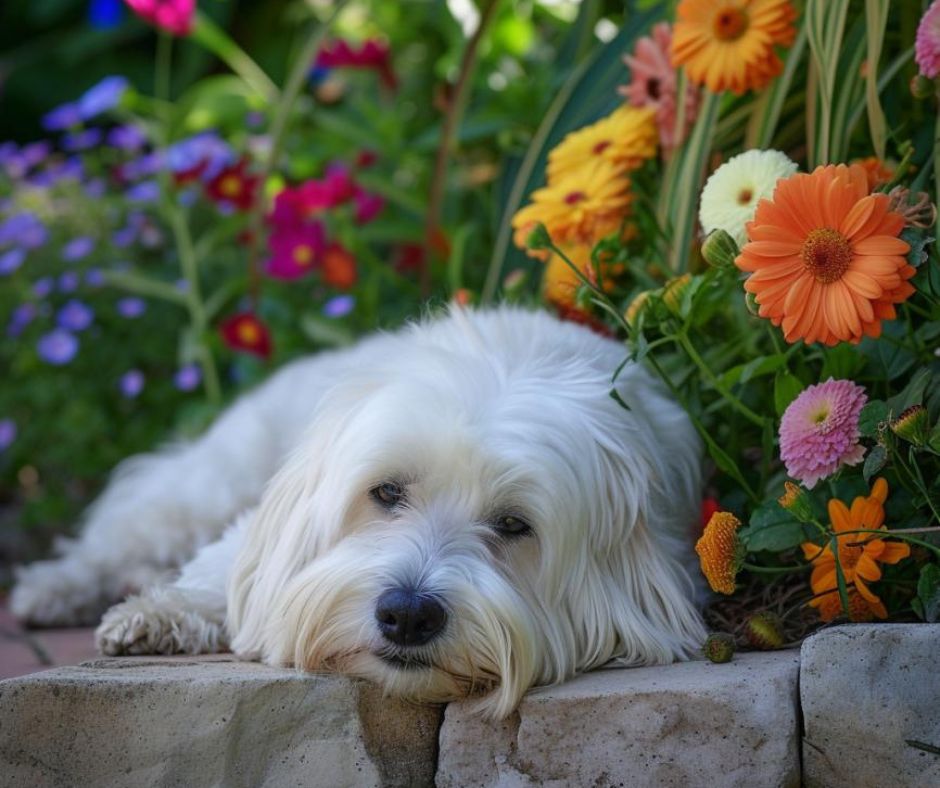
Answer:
(182, 213)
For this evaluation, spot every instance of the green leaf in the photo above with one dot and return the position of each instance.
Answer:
(918, 240)
(786, 389)
(886, 359)
(325, 332)
(935, 438)
(912, 393)
(755, 368)
(872, 415)
(874, 462)
(772, 528)
(842, 362)
(928, 593)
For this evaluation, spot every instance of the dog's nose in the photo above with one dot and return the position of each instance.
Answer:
(409, 618)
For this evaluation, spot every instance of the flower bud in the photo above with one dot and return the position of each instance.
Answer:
(515, 282)
(922, 87)
(796, 502)
(538, 238)
(764, 631)
(750, 301)
(637, 306)
(720, 249)
(718, 647)
(674, 291)
(912, 425)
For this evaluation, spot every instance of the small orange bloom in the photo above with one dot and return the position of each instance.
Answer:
(339, 267)
(825, 258)
(720, 552)
(859, 555)
(729, 44)
(877, 171)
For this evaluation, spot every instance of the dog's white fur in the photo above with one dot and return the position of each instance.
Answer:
(477, 414)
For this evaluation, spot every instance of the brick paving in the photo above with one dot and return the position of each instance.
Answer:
(27, 651)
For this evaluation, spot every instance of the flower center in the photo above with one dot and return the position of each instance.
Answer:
(849, 552)
(730, 23)
(248, 333)
(652, 87)
(745, 196)
(573, 198)
(231, 186)
(600, 147)
(303, 255)
(826, 254)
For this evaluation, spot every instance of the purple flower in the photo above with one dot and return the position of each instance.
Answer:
(42, 287)
(94, 277)
(62, 117)
(75, 316)
(22, 316)
(58, 347)
(105, 14)
(68, 282)
(124, 237)
(24, 230)
(142, 166)
(131, 307)
(104, 96)
(188, 377)
(35, 153)
(81, 140)
(7, 433)
(339, 306)
(206, 152)
(145, 191)
(129, 138)
(11, 260)
(78, 248)
(9, 151)
(132, 383)
(95, 188)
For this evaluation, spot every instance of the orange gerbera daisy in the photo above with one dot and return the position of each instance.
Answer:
(720, 552)
(729, 44)
(859, 555)
(825, 258)
(581, 208)
(626, 138)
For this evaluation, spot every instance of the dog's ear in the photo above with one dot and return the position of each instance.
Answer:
(637, 585)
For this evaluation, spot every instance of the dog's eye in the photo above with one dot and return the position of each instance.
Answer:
(388, 494)
(509, 525)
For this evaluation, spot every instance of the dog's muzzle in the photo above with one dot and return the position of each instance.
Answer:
(407, 617)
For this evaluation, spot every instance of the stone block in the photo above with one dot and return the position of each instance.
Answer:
(688, 724)
(193, 722)
(870, 695)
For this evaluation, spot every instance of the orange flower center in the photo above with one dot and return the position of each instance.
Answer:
(601, 147)
(573, 198)
(826, 254)
(231, 186)
(849, 550)
(745, 196)
(730, 23)
(303, 255)
(248, 333)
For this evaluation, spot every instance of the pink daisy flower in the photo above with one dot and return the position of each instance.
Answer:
(927, 46)
(819, 430)
(654, 84)
(296, 251)
(174, 16)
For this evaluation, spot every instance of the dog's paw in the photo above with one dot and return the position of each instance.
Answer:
(61, 593)
(143, 625)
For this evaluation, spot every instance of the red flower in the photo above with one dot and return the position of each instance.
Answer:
(298, 204)
(372, 54)
(296, 250)
(234, 186)
(709, 507)
(368, 206)
(339, 267)
(174, 16)
(245, 333)
(366, 158)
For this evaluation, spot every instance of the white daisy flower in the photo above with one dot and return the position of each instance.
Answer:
(731, 194)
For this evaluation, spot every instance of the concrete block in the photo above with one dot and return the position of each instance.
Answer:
(688, 724)
(867, 692)
(193, 722)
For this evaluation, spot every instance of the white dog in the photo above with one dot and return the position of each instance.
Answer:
(460, 508)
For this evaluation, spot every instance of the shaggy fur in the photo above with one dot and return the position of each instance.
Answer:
(476, 416)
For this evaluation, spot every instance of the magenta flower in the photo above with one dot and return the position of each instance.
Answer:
(174, 16)
(927, 46)
(295, 251)
(819, 431)
(368, 206)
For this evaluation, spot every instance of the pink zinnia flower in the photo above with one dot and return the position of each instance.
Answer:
(174, 16)
(296, 251)
(373, 54)
(927, 46)
(654, 84)
(819, 430)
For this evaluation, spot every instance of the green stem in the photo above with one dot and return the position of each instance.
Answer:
(913, 471)
(161, 82)
(213, 38)
(739, 406)
(771, 570)
(840, 574)
(282, 112)
(900, 534)
(936, 167)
